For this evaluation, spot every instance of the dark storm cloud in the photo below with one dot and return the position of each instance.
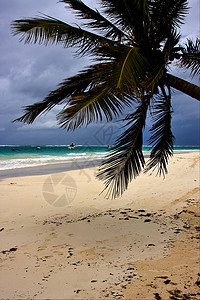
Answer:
(29, 72)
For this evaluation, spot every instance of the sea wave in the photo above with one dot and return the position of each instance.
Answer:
(7, 164)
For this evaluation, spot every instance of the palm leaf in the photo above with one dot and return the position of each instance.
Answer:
(91, 106)
(160, 60)
(81, 92)
(190, 58)
(110, 53)
(166, 16)
(170, 48)
(108, 92)
(89, 94)
(133, 70)
(125, 161)
(131, 15)
(48, 30)
(71, 86)
(100, 98)
(98, 21)
(162, 137)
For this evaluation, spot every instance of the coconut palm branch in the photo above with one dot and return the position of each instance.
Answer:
(97, 21)
(162, 138)
(90, 107)
(132, 44)
(169, 52)
(125, 160)
(47, 30)
(190, 58)
(71, 86)
(94, 92)
(107, 94)
(167, 15)
(131, 16)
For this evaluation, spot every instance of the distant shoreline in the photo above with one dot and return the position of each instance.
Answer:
(49, 168)
(52, 168)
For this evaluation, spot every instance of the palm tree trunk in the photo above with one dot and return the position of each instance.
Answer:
(184, 86)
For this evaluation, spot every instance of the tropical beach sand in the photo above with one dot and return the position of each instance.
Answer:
(62, 239)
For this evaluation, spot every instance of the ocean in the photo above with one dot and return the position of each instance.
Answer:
(17, 157)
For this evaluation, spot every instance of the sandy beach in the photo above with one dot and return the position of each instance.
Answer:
(62, 239)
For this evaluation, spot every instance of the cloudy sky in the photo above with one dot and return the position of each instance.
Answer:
(29, 72)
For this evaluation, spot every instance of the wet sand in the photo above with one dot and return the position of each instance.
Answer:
(62, 239)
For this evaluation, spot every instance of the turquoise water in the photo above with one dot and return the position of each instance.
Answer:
(15, 156)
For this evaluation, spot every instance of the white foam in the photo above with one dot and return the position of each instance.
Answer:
(7, 164)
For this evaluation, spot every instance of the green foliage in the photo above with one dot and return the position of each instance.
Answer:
(126, 159)
(162, 138)
(190, 58)
(47, 30)
(132, 44)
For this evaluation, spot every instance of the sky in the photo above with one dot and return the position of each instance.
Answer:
(28, 72)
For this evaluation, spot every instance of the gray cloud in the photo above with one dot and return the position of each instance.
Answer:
(29, 72)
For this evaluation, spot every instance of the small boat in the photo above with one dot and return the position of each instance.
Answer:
(37, 148)
(72, 146)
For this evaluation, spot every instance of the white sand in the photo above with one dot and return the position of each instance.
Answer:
(92, 247)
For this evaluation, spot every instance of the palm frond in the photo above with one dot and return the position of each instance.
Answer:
(107, 95)
(94, 92)
(131, 15)
(82, 93)
(166, 16)
(125, 160)
(90, 107)
(100, 98)
(71, 86)
(47, 30)
(110, 53)
(170, 49)
(160, 59)
(133, 71)
(162, 137)
(98, 21)
(190, 58)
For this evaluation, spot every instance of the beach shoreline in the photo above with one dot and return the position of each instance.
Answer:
(58, 167)
(52, 168)
(84, 246)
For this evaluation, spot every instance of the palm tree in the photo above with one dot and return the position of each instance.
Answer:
(132, 48)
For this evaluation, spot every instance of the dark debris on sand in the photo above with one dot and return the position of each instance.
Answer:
(116, 289)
